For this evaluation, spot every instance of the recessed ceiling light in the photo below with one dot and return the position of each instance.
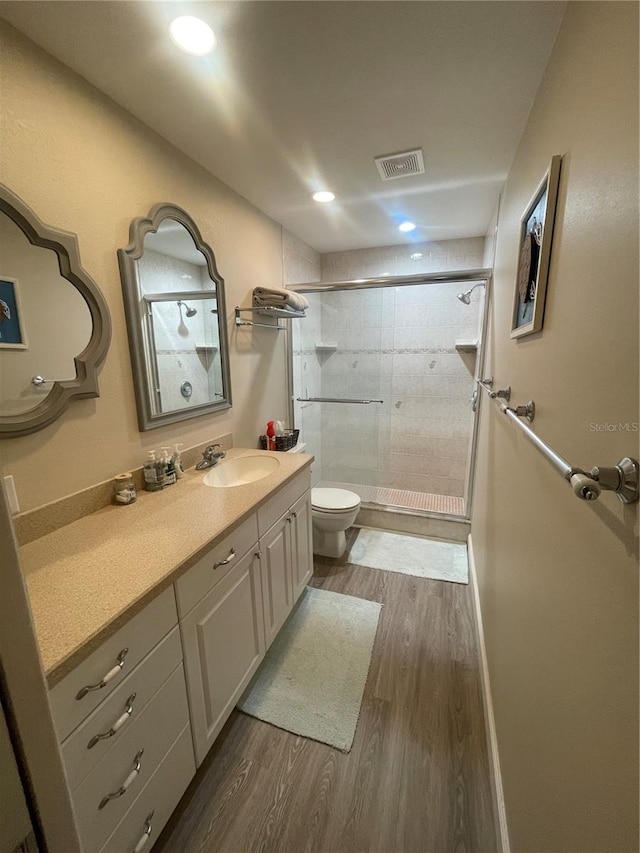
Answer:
(407, 226)
(323, 196)
(192, 35)
(415, 256)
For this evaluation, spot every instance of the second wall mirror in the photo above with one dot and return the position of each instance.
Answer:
(176, 319)
(54, 321)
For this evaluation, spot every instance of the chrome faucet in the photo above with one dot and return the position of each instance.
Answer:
(210, 457)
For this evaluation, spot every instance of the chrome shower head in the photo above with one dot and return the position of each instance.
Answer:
(466, 296)
(190, 312)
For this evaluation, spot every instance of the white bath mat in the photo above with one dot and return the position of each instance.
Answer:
(411, 555)
(312, 678)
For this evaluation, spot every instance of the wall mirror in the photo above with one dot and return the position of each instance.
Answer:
(54, 322)
(176, 319)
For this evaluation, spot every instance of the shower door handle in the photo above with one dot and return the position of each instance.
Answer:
(334, 400)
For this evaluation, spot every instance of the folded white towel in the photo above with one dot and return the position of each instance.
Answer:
(278, 297)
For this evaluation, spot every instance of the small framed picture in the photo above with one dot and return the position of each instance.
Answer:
(536, 233)
(12, 334)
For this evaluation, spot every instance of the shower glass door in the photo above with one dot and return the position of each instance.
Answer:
(337, 356)
(412, 346)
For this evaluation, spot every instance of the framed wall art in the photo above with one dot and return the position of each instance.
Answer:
(536, 233)
(12, 334)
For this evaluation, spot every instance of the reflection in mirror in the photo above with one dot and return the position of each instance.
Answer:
(54, 323)
(186, 350)
(174, 299)
(44, 321)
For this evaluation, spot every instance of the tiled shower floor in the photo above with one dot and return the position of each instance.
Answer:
(401, 498)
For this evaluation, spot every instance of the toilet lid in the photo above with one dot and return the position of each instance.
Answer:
(333, 499)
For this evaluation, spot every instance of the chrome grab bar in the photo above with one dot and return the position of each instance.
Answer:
(623, 478)
(334, 400)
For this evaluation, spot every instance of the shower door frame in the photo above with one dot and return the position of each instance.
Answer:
(449, 277)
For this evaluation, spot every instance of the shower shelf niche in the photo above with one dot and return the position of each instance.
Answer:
(466, 346)
(330, 346)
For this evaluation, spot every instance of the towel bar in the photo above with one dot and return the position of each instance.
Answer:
(268, 312)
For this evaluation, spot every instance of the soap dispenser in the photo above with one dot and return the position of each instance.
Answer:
(177, 461)
(169, 476)
(152, 473)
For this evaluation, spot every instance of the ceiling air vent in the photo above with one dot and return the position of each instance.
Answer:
(400, 165)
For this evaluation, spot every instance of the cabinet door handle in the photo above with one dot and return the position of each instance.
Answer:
(127, 782)
(232, 556)
(294, 514)
(106, 678)
(145, 835)
(117, 725)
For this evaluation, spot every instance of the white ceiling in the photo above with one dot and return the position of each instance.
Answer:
(301, 96)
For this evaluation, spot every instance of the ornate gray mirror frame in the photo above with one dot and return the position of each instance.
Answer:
(137, 308)
(85, 384)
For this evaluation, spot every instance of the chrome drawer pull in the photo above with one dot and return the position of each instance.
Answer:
(147, 833)
(117, 725)
(232, 556)
(127, 782)
(107, 678)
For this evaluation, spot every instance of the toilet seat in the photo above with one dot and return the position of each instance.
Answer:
(334, 501)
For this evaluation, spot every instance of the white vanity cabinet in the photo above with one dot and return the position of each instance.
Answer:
(275, 569)
(142, 710)
(301, 544)
(245, 588)
(223, 641)
(286, 564)
(123, 721)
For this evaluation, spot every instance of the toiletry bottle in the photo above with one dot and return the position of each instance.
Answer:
(177, 462)
(279, 438)
(152, 475)
(169, 476)
(271, 436)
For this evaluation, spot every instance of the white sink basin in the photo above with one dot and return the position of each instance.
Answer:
(239, 472)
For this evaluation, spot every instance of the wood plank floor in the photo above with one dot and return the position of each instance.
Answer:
(416, 779)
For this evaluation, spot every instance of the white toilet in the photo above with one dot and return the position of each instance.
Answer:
(333, 511)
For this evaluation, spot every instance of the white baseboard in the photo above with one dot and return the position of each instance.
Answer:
(490, 723)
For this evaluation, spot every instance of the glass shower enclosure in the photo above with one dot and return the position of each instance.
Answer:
(383, 373)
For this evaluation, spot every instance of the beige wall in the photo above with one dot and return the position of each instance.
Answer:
(559, 577)
(85, 165)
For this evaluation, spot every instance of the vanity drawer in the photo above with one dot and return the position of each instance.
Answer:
(192, 587)
(157, 800)
(140, 634)
(142, 684)
(280, 503)
(144, 747)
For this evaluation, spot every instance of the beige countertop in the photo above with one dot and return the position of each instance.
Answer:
(86, 579)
